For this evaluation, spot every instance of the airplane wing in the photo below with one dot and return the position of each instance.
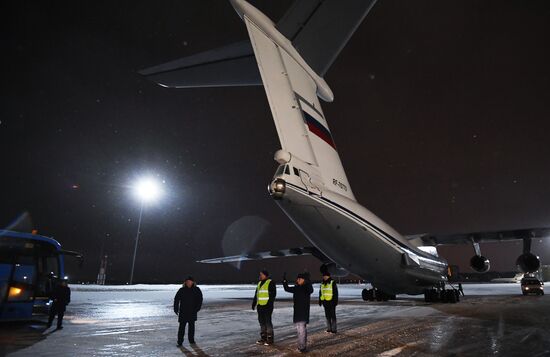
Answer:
(318, 29)
(292, 252)
(478, 237)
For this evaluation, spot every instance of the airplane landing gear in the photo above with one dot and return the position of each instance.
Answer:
(443, 295)
(376, 295)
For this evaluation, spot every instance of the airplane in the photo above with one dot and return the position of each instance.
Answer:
(515, 279)
(289, 59)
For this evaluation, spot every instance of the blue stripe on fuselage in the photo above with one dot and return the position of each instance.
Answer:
(372, 226)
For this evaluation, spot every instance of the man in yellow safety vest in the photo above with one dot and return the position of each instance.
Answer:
(328, 297)
(263, 300)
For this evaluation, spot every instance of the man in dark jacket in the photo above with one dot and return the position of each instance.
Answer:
(266, 291)
(61, 297)
(301, 291)
(187, 303)
(328, 297)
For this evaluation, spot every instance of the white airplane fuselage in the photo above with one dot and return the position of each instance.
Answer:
(354, 238)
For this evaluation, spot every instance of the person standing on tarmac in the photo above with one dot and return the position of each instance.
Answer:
(61, 297)
(301, 291)
(264, 298)
(460, 289)
(187, 303)
(328, 298)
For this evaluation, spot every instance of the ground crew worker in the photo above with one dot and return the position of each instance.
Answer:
(328, 297)
(187, 303)
(301, 291)
(263, 301)
(61, 297)
(460, 289)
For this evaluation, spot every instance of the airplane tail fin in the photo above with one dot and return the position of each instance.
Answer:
(291, 57)
(293, 89)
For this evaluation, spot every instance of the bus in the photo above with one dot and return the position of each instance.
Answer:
(30, 264)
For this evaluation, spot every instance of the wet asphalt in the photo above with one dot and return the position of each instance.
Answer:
(492, 320)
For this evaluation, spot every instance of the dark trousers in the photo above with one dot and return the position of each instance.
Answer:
(330, 315)
(190, 333)
(266, 326)
(59, 311)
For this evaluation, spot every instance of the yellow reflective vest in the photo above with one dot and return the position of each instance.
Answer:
(262, 293)
(326, 291)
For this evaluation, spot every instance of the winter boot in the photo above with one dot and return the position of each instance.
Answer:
(262, 340)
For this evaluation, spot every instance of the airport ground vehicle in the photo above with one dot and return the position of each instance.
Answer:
(29, 266)
(532, 285)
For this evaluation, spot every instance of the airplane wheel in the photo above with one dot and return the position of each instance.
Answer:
(367, 294)
(451, 296)
(431, 295)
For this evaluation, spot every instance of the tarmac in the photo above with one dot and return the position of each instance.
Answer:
(138, 320)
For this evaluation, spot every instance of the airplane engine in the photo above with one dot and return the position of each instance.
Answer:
(480, 264)
(334, 270)
(528, 263)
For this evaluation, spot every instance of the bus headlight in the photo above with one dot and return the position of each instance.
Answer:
(278, 188)
(14, 292)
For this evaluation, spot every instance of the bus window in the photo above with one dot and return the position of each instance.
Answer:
(24, 273)
(52, 265)
(21, 288)
(48, 268)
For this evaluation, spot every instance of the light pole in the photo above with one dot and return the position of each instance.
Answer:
(147, 190)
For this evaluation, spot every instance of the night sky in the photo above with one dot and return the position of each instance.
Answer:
(441, 117)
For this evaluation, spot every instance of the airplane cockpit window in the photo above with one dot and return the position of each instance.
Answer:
(280, 170)
(296, 171)
(287, 171)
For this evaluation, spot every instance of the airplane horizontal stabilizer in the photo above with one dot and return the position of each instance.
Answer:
(318, 29)
(232, 65)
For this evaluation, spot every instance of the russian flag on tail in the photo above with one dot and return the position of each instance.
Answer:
(318, 129)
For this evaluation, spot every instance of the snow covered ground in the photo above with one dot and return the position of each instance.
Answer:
(493, 319)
